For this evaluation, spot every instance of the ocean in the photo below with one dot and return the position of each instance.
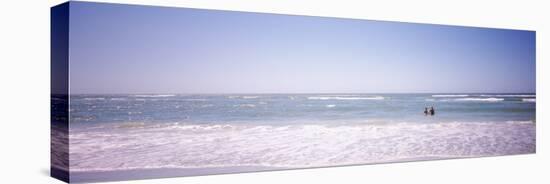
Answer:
(197, 131)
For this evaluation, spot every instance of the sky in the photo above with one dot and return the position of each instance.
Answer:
(143, 49)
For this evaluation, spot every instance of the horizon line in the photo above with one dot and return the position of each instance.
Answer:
(256, 93)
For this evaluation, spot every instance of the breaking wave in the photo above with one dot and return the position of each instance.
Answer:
(344, 98)
(529, 100)
(508, 95)
(90, 99)
(436, 96)
(154, 96)
(245, 105)
(480, 99)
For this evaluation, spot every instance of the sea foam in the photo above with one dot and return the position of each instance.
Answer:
(529, 100)
(154, 96)
(94, 98)
(480, 99)
(292, 146)
(508, 95)
(450, 96)
(344, 98)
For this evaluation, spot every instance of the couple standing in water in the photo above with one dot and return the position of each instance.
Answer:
(430, 111)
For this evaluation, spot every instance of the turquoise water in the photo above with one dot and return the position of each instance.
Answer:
(133, 132)
(281, 109)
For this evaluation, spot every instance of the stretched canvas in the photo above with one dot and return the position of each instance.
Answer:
(145, 92)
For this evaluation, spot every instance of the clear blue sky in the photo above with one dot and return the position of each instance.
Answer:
(142, 49)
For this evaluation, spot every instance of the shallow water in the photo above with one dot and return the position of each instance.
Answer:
(122, 132)
(90, 110)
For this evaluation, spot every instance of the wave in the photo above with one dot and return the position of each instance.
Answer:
(480, 99)
(330, 106)
(245, 105)
(344, 95)
(154, 96)
(207, 105)
(194, 99)
(508, 95)
(243, 97)
(450, 96)
(344, 98)
(483, 95)
(91, 99)
(529, 100)
(177, 145)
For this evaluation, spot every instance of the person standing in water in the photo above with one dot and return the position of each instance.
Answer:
(425, 111)
(432, 111)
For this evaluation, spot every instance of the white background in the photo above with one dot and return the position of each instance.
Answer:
(24, 90)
